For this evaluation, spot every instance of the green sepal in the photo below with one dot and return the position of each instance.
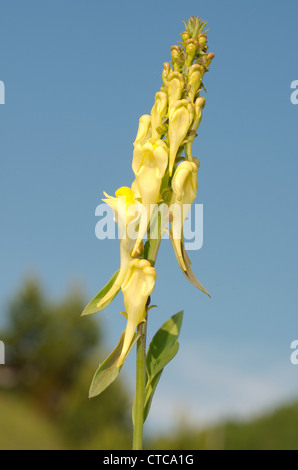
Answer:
(188, 273)
(92, 306)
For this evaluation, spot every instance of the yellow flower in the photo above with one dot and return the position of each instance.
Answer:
(138, 285)
(149, 165)
(180, 119)
(136, 191)
(126, 211)
(175, 87)
(125, 208)
(196, 73)
(158, 112)
(199, 106)
(184, 186)
(144, 130)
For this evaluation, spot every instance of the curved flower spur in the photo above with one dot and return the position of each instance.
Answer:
(165, 176)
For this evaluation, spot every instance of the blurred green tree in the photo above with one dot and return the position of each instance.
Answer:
(51, 355)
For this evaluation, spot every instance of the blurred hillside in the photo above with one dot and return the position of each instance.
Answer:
(51, 355)
(275, 431)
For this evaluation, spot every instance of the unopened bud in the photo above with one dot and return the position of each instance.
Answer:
(158, 112)
(198, 107)
(175, 88)
(166, 73)
(196, 73)
(144, 130)
(177, 57)
(206, 59)
(202, 40)
(181, 115)
(190, 49)
(185, 35)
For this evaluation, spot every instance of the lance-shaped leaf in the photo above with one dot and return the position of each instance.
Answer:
(163, 348)
(188, 273)
(108, 370)
(92, 307)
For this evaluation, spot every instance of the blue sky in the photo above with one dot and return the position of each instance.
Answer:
(78, 76)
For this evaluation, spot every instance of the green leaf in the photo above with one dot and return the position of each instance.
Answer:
(161, 343)
(149, 393)
(108, 370)
(92, 306)
(188, 273)
(152, 384)
(163, 348)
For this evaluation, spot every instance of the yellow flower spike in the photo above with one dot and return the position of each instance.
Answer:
(138, 285)
(158, 112)
(184, 186)
(199, 106)
(149, 165)
(175, 87)
(144, 130)
(181, 115)
(196, 73)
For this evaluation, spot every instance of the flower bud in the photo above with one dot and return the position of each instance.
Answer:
(206, 59)
(175, 87)
(185, 35)
(180, 118)
(199, 106)
(202, 40)
(158, 112)
(190, 49)
(144, 130)
(177, 57)
(184, 185)
(196, 73)
(166, 73)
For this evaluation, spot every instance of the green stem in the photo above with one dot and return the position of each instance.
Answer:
(140, 388)
(141, 359)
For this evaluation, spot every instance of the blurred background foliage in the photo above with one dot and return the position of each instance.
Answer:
(51, 355)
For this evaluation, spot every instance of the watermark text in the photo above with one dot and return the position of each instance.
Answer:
(294, 95)
(135, 222)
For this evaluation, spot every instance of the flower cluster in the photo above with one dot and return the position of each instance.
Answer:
(165, 173)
